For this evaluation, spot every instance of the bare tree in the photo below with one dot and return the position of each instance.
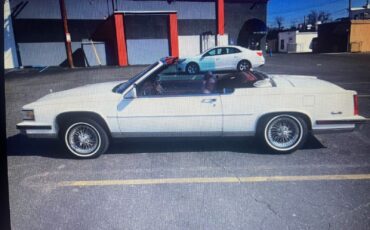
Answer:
(314, 16)
(293, 24)
(324, 16)
(279, 22)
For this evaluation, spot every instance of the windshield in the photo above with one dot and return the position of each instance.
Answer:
(120, 88)
(259, 74)
(264, 76)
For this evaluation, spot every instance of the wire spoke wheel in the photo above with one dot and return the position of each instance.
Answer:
(283, 133)
(83, 139)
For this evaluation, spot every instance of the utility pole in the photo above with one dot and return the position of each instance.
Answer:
(67, 37)
(113, 6)
(349, 9)
(349, 26)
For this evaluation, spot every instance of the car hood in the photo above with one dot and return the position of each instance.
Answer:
(303, 81)
(90, 91)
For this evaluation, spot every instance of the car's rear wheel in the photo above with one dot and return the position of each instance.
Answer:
(85, 138)
(244, 65)
(192, 68)
(283, 133)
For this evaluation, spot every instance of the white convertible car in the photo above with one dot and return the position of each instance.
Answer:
(221, 59)
(160, 101)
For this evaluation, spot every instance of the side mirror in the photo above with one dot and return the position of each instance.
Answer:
(131, 94)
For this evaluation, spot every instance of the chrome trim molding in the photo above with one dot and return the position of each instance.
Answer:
(42, 135)
(40, 127)
(239, 134)
(182, 95)
(339, 122)
(240, 114)
(168, 116)
(182, 134)
(166, 134)
(175, 116)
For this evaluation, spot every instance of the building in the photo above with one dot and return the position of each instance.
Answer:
(10, 55)
(344, 36)
(351, 34)
(295, 41)
(360, 13)
(130, 32)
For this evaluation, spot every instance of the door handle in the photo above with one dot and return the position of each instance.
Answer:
(209, 100)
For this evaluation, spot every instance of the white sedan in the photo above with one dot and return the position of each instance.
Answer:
(160, 101)
(222, 58)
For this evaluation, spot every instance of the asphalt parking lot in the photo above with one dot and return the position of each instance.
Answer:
(186, 183)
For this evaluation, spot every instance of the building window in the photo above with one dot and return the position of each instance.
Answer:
(282, 43)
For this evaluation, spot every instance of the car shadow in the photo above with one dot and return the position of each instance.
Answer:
(19, 145)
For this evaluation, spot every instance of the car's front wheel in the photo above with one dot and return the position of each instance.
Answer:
(192, 68)
(85, 138)
(283, 133)
(244, 65)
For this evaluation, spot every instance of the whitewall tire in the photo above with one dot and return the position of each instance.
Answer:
(85, 138)
(283, 133)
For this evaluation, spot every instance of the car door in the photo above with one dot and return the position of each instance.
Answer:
(242, 103)
(207, 61)
(239, 112)
(233, 58)
(224, 60)
(180, 114)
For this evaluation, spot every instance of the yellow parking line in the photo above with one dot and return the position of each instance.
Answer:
(205, 180)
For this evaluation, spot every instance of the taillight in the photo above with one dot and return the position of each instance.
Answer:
(355, 104)
(259, 53)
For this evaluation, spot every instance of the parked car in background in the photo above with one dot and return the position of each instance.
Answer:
(161, 102)
(222, 58)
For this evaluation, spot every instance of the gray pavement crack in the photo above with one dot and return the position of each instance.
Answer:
(269, 207)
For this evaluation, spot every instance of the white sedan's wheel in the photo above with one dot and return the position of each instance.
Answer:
(192, 68)
(284, 133)
(86, 139)
(244, 66)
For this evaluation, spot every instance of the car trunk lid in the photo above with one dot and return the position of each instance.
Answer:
(302, 81)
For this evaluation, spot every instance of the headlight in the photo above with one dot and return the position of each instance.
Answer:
(181, 60)
(28, 115)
